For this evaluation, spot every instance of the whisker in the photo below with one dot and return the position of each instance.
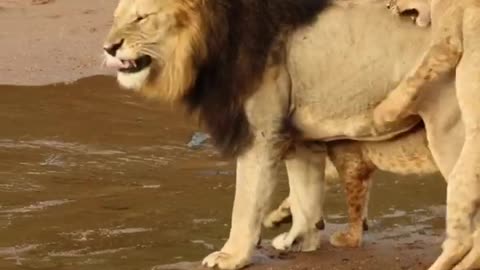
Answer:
(103, 62)
(151, 52)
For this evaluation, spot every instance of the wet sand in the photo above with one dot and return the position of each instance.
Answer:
(94, 177)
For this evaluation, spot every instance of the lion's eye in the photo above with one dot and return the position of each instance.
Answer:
(140, 18)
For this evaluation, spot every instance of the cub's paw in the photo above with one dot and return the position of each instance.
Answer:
(224, 260)
(304, 242)
(343, 239)
(277, 218)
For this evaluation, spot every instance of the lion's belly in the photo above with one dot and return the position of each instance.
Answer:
(344, 65)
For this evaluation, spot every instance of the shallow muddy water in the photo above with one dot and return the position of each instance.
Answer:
(93, 177)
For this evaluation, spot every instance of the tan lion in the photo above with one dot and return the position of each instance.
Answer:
(267, 77)
(453, 23)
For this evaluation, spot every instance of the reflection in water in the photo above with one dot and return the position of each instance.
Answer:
(97, 177)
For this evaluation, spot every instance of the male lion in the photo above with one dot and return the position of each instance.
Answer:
(267, 76)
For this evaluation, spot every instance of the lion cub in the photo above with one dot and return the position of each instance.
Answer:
(441, 58)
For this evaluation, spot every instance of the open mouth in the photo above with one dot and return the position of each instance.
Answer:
(128, 66)
(412, 13)
(132, 66)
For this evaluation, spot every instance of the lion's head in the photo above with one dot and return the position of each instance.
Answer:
(155, 45)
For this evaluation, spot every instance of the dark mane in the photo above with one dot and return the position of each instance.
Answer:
(240, 35)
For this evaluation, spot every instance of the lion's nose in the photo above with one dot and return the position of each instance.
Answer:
(113, 48)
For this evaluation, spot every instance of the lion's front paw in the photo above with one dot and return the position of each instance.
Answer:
(394, 108)
(298, 242)
(454, 253)
(224, 260)
(343, 239)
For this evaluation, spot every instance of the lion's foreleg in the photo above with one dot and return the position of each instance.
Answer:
(440, 59)
(463, 192)
(306, 169)
(462, 195)
(472, 260)
(256, 169)
(254, 186)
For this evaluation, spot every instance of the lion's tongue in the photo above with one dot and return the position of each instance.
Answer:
(116, 63)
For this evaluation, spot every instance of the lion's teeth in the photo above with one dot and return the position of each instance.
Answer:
(132, 62)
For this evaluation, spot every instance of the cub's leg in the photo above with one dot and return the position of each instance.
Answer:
(463, 191)
(356, 171)
(405, 155)
(441, 58)
(306, 169)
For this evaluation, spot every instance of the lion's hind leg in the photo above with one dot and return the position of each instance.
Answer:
(306, 169)
(356, 171)
(463, 191)
(283, 215)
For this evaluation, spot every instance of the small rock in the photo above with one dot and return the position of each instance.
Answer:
(198, 139)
